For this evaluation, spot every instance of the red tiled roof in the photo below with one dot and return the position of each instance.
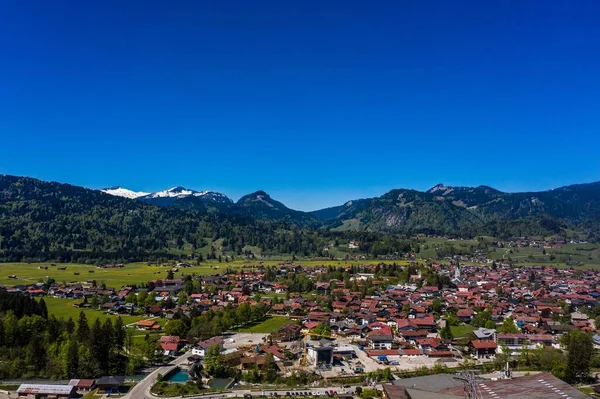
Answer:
(483, 344)
(170, 346)
(411, 352)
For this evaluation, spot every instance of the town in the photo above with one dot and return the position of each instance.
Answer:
(359, 330)
(327, 200)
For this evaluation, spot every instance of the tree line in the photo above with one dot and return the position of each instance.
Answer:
(35, 344)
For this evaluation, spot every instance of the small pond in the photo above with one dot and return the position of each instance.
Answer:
(178, 376)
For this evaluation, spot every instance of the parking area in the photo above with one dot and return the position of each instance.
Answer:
(244, 339)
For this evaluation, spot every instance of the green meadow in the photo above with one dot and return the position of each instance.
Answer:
(462, 330)
(269, 325)
(63, 308)
(132, 273)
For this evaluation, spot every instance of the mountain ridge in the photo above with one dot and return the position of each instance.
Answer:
(442, 209)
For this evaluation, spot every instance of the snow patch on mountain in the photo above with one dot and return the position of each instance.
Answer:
(173, 192)
(119, 191)
(212, 196)
(182, 192)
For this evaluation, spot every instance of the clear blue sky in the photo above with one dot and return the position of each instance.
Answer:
(314, 102)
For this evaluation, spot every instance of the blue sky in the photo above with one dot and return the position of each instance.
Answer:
(314, 103)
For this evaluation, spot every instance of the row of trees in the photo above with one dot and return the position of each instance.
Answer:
(34, 344)
(212, 323)
(572, 365)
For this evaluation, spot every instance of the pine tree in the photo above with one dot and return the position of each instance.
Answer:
(580, 347)
(83, 329)
(98, 346)
(72, 366)
(119, 334)
(43, 310)
(108, 346)
(70, 326)
(446, 332)
(109, 335)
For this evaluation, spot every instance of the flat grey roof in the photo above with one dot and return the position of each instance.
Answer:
(45, 389)
(537, 386)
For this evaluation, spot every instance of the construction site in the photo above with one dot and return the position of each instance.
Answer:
(327, 356)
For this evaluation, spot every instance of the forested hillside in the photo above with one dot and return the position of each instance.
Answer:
(468, 211)
(53, 221)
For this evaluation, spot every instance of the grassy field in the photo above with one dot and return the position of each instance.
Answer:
(577, 255)
(61, 307)
(132, 273)
(429, 245)
(92, 395)
(268, 325)
(461, 331)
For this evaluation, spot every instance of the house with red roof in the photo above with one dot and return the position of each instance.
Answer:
(483, 348)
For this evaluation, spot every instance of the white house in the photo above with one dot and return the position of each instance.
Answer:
(202, 346)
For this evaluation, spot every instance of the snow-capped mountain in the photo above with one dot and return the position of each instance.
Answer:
(214, 197)
(182, 192)
(165, 197)
(123, 192)
(174, 192)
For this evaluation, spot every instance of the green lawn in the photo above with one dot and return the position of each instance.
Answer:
(268, 325)
(92, 395)
(61, 307)
(461, 331)
(587, 390)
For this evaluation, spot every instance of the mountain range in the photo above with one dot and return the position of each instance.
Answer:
(55, 221)
(439, 210)
(258, 205)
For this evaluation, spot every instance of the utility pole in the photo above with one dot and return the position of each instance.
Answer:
(470, 379)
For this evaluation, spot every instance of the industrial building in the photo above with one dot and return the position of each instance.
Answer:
(320, 353)
(46, 391)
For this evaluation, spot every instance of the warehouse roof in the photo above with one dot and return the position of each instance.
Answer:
(45, 389)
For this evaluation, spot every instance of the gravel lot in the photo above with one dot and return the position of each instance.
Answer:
(244, 339)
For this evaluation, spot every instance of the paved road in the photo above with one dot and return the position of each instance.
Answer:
(280, 393)
(142, 389)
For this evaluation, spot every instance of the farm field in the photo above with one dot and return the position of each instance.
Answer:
(586, 255)
(132, 273)
(63, 308)
(303, 262)
(429, 245)
(268, 325)
(576, 255)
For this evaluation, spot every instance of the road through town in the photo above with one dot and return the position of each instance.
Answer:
(142, 389)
